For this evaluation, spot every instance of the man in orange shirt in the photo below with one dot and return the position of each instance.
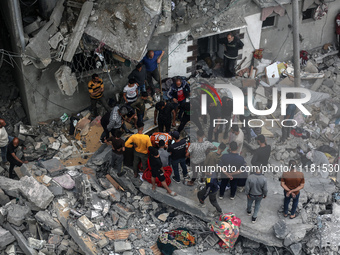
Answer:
(292, 182)
(141, 144)
(96, 90)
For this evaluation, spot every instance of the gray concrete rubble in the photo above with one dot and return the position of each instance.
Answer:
(78, 31)
(125, 34)
(66, 80)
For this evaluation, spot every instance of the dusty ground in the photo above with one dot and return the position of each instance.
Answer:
(92, 144)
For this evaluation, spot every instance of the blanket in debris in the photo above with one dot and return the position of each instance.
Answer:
(179, 238)
(227, 228)
(147, 175)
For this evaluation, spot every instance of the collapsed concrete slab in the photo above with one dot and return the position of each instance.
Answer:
(36, 193)
(130, 26)
(179, 202)
(53, 166)
(78, 31)
(39, 50)
(9, 186)
(6, 238)
(46, 219)
(21, 240)
(84, 242)
(16, 214)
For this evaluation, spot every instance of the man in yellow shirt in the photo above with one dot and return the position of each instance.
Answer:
(96, 89)
(141, 144)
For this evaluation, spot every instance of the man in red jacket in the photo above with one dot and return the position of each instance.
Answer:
(337, 31)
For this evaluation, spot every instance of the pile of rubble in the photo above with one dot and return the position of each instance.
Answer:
(54, 209)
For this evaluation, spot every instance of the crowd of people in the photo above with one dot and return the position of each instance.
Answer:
(169, 148)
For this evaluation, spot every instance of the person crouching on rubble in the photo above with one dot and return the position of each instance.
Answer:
(157, 170)
(12, 158)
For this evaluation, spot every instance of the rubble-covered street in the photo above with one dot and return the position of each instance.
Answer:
(119, 120)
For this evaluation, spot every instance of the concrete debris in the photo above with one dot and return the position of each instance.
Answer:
(66, 80)
(121, 246)
(85, 224)
(78, 31)
(36, 193)
(6, 238)
(281, 229)
(39, 50)
(17, 214)
(36, 244)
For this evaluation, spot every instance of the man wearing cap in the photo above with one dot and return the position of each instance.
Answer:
(261, 155)
(157, 170)
(141, 144)
(178, 151)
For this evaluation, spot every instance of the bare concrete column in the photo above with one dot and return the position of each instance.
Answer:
(296, 42)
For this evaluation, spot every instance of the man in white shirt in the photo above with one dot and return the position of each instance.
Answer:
(237, 136)
(4, 140)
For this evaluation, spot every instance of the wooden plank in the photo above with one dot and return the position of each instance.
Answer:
(155, 249)
(119, 234)
(114, 183)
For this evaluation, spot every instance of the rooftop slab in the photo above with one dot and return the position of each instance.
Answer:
(269, 214)
(125, 26)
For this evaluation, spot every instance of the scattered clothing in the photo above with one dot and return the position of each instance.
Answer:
(227, 227)
(179, 238)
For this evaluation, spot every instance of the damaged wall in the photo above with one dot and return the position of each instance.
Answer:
(314, 33)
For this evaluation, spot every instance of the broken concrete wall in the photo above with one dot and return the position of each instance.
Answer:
(313, 33)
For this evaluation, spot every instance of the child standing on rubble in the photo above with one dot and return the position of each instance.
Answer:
(118, 148)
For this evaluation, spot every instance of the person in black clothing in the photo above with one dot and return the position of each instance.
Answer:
(139, 74)
(118, 148)
(210, 189)
(190, 114)
(178, 156)
(157, 170)
(164, 110)
(214, 111)
(261, 154)
(12, 158)
(227, 110)
(232, 45)
(178, 93)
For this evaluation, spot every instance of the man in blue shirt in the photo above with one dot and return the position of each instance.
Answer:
(290, 112)
(151, 61)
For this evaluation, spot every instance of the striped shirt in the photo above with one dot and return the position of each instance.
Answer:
(94, 87)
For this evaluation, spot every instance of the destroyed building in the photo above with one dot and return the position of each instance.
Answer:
(67, 201)
(62, 43)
